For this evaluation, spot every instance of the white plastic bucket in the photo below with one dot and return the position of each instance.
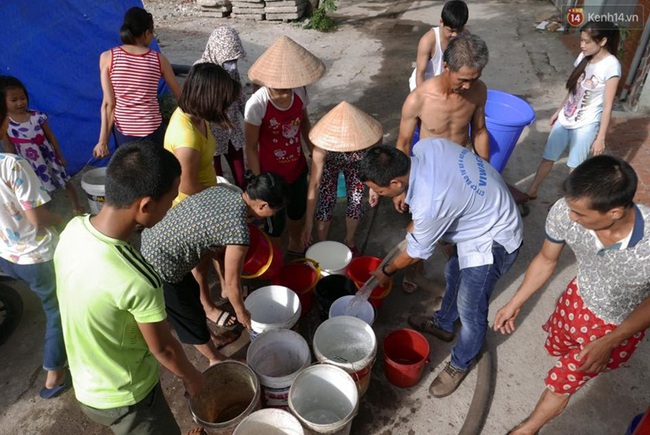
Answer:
(276, 357)
(366, 312)
(269, 422)
(93, 183)
(348, 343)
(272, 307)
(231, 393)
(325, 399)
(332, 257)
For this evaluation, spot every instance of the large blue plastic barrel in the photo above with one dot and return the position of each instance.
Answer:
(505, 118)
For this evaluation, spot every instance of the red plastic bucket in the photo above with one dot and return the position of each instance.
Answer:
(406, 352)
(301, 276)
(263, 259)
(359, 271)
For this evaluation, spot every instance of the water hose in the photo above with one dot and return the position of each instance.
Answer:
(478, 409)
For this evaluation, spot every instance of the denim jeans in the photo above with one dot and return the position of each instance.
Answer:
(467, 296)
(41, 280)
(579, 141)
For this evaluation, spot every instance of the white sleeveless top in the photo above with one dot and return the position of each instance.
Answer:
(434, 67)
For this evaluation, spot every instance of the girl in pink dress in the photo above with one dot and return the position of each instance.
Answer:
(29, 135)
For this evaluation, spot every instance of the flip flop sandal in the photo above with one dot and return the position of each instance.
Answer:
(225, 320)
(51, 393)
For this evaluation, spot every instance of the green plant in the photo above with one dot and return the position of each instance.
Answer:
(320, 20)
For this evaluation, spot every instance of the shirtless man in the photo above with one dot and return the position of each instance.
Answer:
(433, 44)
(446, 105)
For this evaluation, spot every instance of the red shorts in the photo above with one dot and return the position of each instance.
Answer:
(571, 326)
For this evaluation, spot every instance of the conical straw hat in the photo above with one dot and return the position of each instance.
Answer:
(286, 65)
(346, 128)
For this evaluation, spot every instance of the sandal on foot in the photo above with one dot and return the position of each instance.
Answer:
(225, 320)
(51, 393)
(428, 325)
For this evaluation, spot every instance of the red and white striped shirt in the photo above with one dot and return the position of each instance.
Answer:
(135, 80)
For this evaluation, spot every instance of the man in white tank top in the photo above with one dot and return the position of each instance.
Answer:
(433, 43)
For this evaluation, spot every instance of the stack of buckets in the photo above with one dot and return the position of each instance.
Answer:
(324, 398)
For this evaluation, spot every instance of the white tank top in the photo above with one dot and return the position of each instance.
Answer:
(434, 67)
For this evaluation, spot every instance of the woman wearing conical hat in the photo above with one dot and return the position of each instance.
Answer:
(275, 120)
(340, 139)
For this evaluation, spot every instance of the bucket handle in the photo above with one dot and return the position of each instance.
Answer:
(313, 263)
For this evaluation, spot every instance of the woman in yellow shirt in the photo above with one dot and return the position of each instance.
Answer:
(207, 93)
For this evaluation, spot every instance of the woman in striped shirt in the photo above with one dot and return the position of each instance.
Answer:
(129, 75)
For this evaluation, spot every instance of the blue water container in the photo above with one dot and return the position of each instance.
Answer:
(506, 116)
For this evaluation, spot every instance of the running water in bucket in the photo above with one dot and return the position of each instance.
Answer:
(357, 302)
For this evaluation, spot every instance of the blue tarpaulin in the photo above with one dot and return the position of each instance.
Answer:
(53, 47)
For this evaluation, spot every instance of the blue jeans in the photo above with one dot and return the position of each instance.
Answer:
(467, 296)
(41, 280)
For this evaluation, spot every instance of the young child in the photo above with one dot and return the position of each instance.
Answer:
(340, 139)
(29, 135)
(224, 48)
(275, 120)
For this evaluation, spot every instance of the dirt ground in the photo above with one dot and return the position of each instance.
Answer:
(369, 59)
